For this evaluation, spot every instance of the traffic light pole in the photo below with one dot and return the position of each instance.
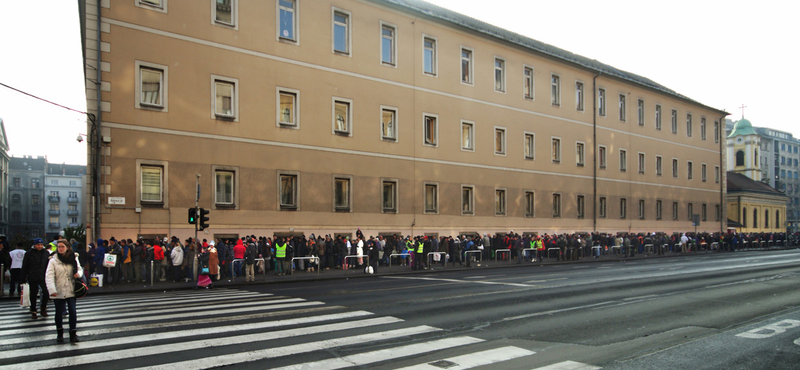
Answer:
(196, 200)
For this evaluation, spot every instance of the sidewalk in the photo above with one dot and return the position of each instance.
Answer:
(339, 274)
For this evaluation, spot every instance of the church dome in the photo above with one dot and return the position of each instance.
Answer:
(742, 127)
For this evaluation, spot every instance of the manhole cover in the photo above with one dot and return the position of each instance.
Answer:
(444, 364)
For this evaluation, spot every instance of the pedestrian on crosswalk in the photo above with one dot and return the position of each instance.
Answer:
(34, 265)
(62, 270)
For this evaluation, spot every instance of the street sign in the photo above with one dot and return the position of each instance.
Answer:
(116, 201)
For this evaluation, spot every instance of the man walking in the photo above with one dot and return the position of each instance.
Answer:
(34, 265)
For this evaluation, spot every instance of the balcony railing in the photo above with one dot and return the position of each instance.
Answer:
(55, 225)
(73, 200)
(75, 224)
(54, 199)
(72, 212)
(53, 212)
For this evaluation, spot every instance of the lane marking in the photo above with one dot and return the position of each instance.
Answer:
(568, 365)
(556, 311)
(457, 281)
(476, 359)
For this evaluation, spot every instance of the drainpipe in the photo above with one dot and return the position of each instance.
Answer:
(723, 218)
(594, 150)
(98, 135)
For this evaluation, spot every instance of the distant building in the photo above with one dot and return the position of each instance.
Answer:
(26, 196)
(754, 206)
(770, 156)
(63, 187)
(3, 179)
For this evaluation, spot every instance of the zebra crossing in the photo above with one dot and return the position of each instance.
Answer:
(224, 327)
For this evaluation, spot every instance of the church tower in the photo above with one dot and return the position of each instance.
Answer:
(743, 145)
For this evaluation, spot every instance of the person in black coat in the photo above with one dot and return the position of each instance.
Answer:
(34, 266)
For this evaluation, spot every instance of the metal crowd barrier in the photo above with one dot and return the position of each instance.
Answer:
(529, 250)
(443, 258)
(478, 251)
(291, 267)
(233, 266)
(399, 255)
(648, 248)
(497, 251)
(549, 249)
(356, 256)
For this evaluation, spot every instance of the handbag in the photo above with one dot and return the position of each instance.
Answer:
(80, 289)
(25, 299)
(204, 271)
(109, 260)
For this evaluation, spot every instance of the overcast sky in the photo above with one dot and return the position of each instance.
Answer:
(720, 53)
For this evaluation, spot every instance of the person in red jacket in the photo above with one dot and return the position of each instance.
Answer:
(158, 258)
(238, 256)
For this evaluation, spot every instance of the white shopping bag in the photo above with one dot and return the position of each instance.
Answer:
(25, 299)
(109, 260)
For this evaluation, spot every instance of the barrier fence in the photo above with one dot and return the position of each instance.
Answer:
(291, 267)
(442, 258)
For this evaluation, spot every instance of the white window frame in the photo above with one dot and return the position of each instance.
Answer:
(659, 165)
(580, 153)
(704, 212)
(642, 162)
(164, 106)
(556, 201)
(425, 185)
(164, 166)
(471, 126)
(149, 5)
(580, 206)
(234, 171)
(234, 15)
(689, 170)
(689, 127)
(716, 174)
(602, 207)
(623, 162)
(502, 70)
(348, 120)
(674, 121)
(623, 208)
(658, 116)
(716, 132)
(555, 157)
(555, 90)
(528, 92)
(503, 150)
(503, 201)
(296, 192)
(295, 21)
(580, 96)
(640, 111)
(703, 172)
(348, 31)
(601, 102)
(295, 107)
(394, 134)
(434, 56)
(471, 200)
(530, 207)
(703, 128)
(349, 181)
(470, 66)
(675, 210)
(435, 117)
(602, 157)
(675, 168)
(659, 209)
(393, 62)
(525, 137)
(395, 194)
(623, 107)
(234, 101)
(642, 210)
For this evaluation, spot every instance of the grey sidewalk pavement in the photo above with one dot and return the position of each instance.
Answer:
(339, 274)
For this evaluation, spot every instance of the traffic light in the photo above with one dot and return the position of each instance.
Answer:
(193, 216)
(203, 215)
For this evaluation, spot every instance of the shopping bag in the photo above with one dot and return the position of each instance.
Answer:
(110, 260)
(437, 257)
(25, 299)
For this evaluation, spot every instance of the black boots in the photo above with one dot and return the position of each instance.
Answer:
(73, 336)
(44, 311)
(60, 336)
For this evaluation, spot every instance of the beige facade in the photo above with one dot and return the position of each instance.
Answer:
(755, 205)
(293, 119)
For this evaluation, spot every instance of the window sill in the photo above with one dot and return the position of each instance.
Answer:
(221, 117)
(558, 161)
(341, 133)
(288, 208)
(389, 211)
(287, 124)
(224, 206)
(342, 210)
(580, 164)
(149, 106)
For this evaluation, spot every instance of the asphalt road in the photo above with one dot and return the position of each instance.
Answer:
(681, 312)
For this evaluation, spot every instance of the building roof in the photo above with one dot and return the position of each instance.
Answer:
(66, 169)
(742, 127)
(488, 30)
(27, 163)
(741, 183)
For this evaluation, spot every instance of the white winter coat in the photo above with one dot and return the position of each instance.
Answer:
(59, 278)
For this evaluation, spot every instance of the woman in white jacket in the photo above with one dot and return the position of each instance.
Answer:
(62, 270)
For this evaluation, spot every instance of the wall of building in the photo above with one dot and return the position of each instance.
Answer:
(758, 213)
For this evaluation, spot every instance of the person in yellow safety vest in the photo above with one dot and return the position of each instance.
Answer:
(280, 256)
(419, 263)
(539, 249)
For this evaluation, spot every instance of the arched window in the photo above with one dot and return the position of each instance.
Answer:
(778, 219)
(766, 219)
(740, 158)
(744, 216)
(755, 218)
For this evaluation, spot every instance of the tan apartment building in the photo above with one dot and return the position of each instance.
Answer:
(395, 116)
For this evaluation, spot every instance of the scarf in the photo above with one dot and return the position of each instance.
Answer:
(68, 258)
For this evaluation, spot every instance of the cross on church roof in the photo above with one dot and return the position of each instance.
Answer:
(742, 108)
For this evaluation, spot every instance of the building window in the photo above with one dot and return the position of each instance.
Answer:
(500, 141)
(689, 170)
(623, 208)
(225, 12)
(429, 56)
(579, 96)
(703, 211)
(601, 102)
(35, 184)
(658, 117)
(690, 210)
(674, 168)
(467, 200)
(152, 81)
(287, 19)
(35, 200)
(224, 193)
(342, 116)
(622, 108)
(500, 202)
(688, 125)
(658, 210)
(467, 135)
(529, 204)
(341, 194)
(16, 182)
(581, 206)
(499, 75)
(389, 196)
(288, 108)
(641, 163)
(640, 111)
(466, 66)
(602, 159)
(703, 172)
(602, 207)
(16, 199)
(623, 160)
(341, 32)
(388, 42)
(778, 219)
(287, 190)
(555, 152)
(556, 205)
(674, 121)
(580, 154)
(702, 128)
(641, 209)
(740, 158)
(555, 90)
(527, 82)
(530, 146)
(159, 5)
(430, 130)
(54, 182)
(431, 198)
(716, 174)
(226, 104)
(388, 123)
(716, 133)
(152, 178)
(658, 165)
(674, 210)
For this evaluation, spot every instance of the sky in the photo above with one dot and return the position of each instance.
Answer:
(723, 54)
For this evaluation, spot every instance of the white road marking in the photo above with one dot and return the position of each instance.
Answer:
(555, 311)
(568, 365)
(457, 281)
(476, 359)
